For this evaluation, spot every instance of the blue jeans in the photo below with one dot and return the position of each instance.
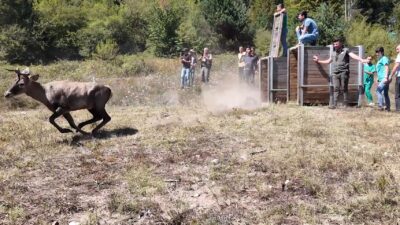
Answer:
(397, 94)
(185, 77)
(306, 38)
(382, 91)
(205, 74)
(283, 42)
(191, 76)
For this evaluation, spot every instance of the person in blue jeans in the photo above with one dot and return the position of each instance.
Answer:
(382, 70)
(186, 61)
(280, 9)
(307, 33)
(396, 71)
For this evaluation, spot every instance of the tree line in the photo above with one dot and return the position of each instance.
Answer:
(41, 31)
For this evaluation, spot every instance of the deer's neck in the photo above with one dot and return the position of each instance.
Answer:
(37, 92)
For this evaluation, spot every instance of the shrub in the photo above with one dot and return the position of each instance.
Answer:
(262, 41)
(370, 36)
(106, 50)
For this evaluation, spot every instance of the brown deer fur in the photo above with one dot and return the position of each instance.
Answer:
(61, 97)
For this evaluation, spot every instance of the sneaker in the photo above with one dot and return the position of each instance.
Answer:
(331, 107)
(371, 104)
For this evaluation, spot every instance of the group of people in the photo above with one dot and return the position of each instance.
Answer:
(340, 60)
(247, 63)
(384, 78)
(189, 62)
(307, 33)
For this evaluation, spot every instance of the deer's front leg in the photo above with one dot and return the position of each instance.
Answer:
(71, 122)
(59, 111)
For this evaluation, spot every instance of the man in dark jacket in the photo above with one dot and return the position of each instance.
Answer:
(340, 60)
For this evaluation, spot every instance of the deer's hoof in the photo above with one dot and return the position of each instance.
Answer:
(66, 130)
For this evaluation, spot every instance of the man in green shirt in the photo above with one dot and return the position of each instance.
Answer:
(369, 72)
(340, 60)
(382, 69)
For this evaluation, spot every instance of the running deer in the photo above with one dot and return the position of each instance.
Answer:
(61, 97)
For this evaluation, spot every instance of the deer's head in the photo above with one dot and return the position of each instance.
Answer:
(22, 83)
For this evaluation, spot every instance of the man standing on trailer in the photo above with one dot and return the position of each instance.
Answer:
(340, 60)
(280, 9)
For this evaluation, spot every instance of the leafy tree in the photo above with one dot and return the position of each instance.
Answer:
(58, 26)
(131, 32)
(229, 20)
(194, 31)
(312, 5)
(163, 24)
(262, 41)
(371, 36)
(261, 14)
(17, 44)
(330, 24)
(103, 23)
(375, 11)
(16, 12)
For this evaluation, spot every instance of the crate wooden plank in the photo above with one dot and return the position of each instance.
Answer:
(276, 35)
(264, 77)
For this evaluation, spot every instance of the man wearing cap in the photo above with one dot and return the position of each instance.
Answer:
(340, 59)
(382, 69)
(396, 70)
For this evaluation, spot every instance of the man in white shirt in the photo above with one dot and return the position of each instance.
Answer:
(205, 64)
(241, 63)
(396, 70)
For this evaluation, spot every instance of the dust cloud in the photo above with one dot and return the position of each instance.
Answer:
(229, 94)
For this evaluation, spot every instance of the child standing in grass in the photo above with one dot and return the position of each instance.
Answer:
(369, 71)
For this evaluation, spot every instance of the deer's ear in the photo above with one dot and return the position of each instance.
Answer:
(35, 77)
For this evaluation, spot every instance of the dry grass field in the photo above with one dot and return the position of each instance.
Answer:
(206, 155)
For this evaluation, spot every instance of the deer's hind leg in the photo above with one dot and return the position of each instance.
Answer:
(96, 117)
(106, 118)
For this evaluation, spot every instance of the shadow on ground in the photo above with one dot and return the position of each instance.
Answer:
(104, 134)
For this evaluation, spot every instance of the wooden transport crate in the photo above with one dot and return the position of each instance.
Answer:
(307, 82)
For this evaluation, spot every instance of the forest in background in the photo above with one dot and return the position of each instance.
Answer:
(42, 31)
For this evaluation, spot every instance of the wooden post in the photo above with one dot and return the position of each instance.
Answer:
(330, 78)
(276, 35)
(300, 81)
(360, 76)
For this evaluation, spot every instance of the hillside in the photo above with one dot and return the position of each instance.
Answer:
(207, 155)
